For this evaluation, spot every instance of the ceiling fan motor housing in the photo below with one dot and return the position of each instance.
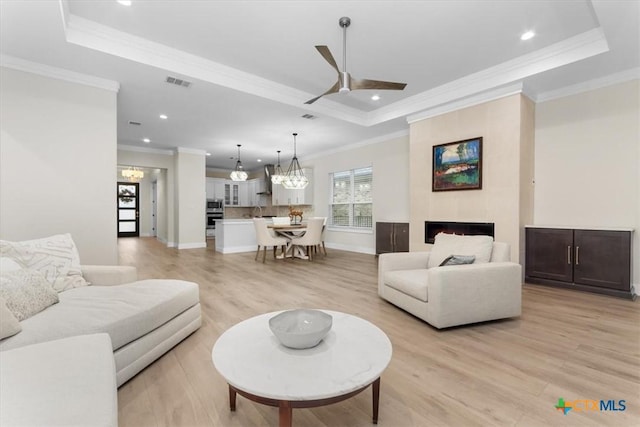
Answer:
(345, 82)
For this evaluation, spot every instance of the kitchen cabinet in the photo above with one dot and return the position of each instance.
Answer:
(595, 260)
(232, 193)
(209, 188)
(392, 237)
(281, 196)
(215, 188)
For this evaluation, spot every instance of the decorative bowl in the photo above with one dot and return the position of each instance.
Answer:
(300, 328)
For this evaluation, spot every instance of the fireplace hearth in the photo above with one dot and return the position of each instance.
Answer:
(431, 228)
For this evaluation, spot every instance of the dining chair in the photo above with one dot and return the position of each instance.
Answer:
(266, 239)
(311, 237)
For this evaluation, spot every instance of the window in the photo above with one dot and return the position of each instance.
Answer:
(351, 199)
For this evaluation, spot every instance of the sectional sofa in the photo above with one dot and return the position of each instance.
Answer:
(64, 366)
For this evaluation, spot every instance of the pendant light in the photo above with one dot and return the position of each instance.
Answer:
(133, 174)
(294, 179)
(239, 174)
(278, 173)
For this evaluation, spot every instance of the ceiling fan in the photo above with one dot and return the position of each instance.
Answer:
(345, 83)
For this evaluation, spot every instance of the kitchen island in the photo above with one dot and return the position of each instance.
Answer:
(235, 235)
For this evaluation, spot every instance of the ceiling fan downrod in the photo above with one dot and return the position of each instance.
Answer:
(345, 78)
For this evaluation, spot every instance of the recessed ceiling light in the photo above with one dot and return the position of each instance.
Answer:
(125, 2)
(528, 35)
(208, 154)
(146, 140)
(164, 116)
(375, 97)
(259, 160)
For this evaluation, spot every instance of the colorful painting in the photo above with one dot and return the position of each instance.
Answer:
(458, 165)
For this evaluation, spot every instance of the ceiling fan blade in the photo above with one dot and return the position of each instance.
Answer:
(376, 84)
(326, 54)
(333, 89)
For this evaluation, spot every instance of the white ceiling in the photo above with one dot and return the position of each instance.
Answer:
(253, 63)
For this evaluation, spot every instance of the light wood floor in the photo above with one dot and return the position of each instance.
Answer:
(505, 373)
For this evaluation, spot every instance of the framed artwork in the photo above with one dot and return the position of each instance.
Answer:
(457, 165)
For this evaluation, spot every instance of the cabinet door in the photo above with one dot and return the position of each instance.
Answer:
(384, 237)
(401, 237)
(603, 259)
(210, 188)
(549, 254)
(218, 192)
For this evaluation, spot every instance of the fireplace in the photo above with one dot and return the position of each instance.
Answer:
(431, 228)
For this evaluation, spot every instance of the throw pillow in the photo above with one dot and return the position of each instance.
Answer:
(9, 325)
(447, 244)
(56, 257)
(26, 293)
(458, 260)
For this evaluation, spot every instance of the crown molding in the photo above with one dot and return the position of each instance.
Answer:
(470, 101)
(573, 49)
(58, 73)
(145, 150)
(610, 80)
(187, 150)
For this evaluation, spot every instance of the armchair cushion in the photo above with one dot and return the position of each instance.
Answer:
(450, 244)
(410, 282)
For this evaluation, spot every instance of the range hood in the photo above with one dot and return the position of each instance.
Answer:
(268, 186)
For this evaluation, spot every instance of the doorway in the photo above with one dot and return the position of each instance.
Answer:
(128, 209)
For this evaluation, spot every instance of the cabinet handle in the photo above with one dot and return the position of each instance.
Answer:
(577, 255)
(569, 255)
(391, 239)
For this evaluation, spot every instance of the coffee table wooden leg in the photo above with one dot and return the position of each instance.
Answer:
(232, 398)
(375, 388)
(286, 414)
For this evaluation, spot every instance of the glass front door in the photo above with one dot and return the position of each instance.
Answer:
(128, 210)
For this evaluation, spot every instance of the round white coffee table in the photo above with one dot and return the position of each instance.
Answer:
(255, 365)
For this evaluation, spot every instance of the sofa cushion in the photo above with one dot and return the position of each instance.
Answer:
(56, 257)
(410, 282)
(69, 382)
(451, 244)
(125, 312)
(26, 292)
(9, 325)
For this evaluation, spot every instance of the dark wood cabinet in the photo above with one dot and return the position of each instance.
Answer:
(589, 260)
(392, 237)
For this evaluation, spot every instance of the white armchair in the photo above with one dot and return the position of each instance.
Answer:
(452, 295)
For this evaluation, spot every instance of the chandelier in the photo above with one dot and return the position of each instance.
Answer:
(239, 174)
(294, 179)
(133, 174)
(278, 173)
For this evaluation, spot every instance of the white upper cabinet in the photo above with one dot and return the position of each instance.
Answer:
(282, 197)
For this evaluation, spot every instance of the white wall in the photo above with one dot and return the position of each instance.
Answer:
(390, 161)
(587, 168)
(58, 163)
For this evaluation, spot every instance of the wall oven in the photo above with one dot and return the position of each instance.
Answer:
(215, 211)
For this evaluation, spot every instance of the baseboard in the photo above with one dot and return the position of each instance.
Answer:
(198, 245)
(237, 249)
(349, 248)
(171, 244)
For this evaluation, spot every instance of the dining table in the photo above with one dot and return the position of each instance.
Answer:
(291, 232)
